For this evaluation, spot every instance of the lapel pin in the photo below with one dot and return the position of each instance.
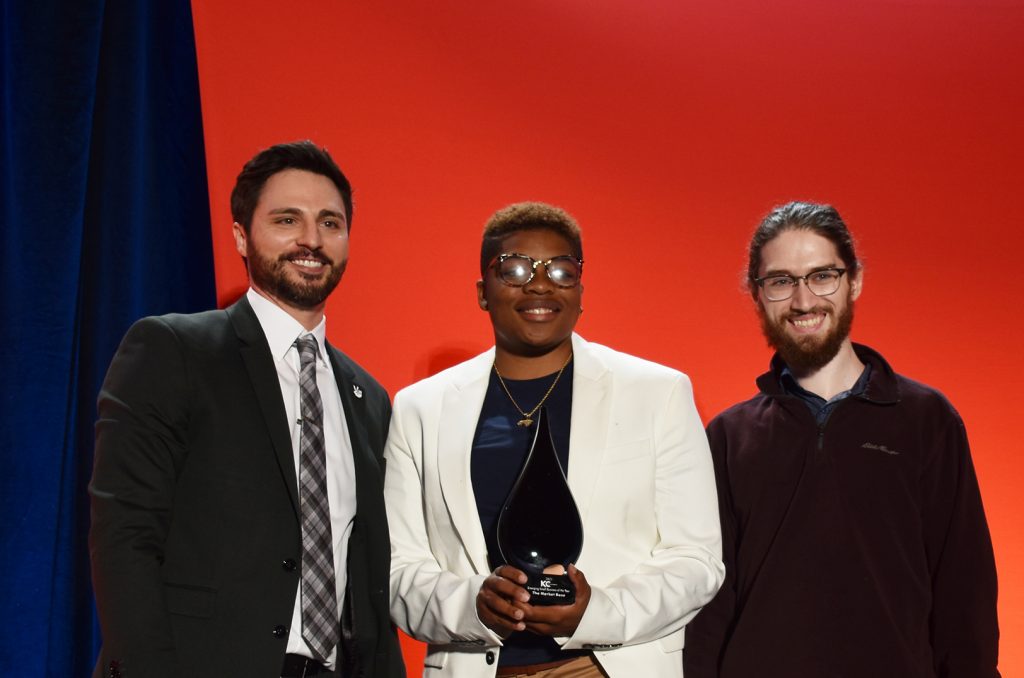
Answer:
(356, 391)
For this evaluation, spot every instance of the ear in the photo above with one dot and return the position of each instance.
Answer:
(755, 297)
(856, 283)
(240, 238)
(481, 299)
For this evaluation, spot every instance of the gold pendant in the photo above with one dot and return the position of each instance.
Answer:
(524, 422)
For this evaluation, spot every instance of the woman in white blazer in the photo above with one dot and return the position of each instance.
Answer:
(639, 471)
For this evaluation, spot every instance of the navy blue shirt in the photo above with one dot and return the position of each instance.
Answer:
(499, 450)
(820, 407)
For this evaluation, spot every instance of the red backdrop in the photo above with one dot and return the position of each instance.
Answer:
(667, 129)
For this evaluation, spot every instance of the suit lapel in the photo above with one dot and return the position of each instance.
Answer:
(460, 411)
(356, 417)
(263, 375)
(461, 403)
(588, 433)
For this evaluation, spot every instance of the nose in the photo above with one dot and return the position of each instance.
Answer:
(310, 236)
(540, 283)
(803, 297)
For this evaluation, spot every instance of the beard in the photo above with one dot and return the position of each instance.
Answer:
(302, 292)
(808, 353)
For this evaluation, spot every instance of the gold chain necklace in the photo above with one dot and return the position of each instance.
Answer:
(527, 419)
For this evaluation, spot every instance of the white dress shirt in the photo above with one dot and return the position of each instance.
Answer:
(281, 331)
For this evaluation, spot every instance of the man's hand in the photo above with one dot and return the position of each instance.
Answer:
(500, 601)
(559, 620)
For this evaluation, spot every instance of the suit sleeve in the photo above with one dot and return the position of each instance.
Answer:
(964, 626)
(140, 446)
(706, 634)
(684, 569)
(429, 602)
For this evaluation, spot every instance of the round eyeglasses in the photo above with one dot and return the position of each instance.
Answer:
(516, 269)
(821, 283)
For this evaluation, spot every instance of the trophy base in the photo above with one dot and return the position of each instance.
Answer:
(550, 589)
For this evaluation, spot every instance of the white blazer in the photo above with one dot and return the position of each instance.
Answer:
(641, 474)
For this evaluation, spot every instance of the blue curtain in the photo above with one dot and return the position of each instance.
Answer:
(105, 219)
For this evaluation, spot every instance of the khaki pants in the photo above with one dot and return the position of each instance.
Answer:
(581, 667)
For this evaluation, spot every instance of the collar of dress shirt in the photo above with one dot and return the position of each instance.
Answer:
(280, 328)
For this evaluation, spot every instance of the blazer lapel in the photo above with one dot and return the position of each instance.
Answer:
(461, 403)
(355, 419)
(260, 366)
(588, 433)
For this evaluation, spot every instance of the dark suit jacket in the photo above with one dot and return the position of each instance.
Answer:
(195, 538)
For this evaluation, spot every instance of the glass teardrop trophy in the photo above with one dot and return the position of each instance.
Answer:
(539, 527)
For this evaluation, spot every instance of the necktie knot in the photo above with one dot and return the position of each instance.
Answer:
(307, 349)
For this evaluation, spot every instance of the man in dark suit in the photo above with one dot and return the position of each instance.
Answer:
(238, 524)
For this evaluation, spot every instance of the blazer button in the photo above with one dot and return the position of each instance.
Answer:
(288, 565)
(280, 631)
(489, 657)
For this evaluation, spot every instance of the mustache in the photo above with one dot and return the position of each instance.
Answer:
(796, 313)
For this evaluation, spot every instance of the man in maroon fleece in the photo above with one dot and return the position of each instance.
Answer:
(854, 537)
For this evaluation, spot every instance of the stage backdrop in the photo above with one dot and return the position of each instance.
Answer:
(668, 129)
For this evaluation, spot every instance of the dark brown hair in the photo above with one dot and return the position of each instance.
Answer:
(823, 220)
(300, 155)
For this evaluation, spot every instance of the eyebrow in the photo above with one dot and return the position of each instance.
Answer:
(786, 272)
(333, 213)
(323, 213)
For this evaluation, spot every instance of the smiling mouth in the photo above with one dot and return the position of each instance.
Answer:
(308, 263)
(808, 322)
